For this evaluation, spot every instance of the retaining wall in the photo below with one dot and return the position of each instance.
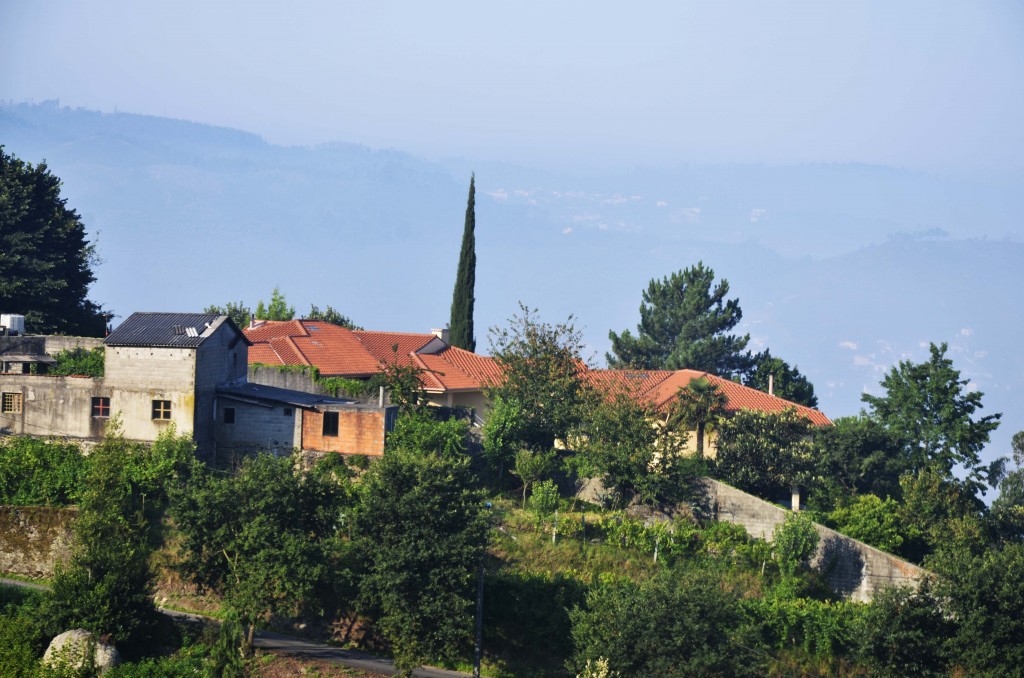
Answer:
(852, 568)
(34, 538)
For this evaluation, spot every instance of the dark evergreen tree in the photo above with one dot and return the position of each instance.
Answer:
(788, 382)
(684, 320)
(45, 260)
(461, 325)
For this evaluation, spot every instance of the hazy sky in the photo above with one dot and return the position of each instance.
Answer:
(929, 85)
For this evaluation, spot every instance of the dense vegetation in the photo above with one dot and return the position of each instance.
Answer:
(638, 583)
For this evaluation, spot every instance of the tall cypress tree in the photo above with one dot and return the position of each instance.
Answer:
(461, 325)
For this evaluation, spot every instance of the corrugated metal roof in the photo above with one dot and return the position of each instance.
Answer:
(166, 330)
(249, 392)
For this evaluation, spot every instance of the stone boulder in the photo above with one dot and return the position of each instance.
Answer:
(70, 650)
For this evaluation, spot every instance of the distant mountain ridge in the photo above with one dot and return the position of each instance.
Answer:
(841, 269)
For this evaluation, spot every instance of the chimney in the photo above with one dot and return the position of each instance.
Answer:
(441, 334)
(771, 384)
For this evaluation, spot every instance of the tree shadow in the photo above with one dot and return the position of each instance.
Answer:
(842, 565)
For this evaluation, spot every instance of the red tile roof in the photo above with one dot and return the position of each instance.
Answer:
(338, 351)
(661, 387)
(383, 346)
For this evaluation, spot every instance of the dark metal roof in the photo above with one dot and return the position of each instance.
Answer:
(258, 392)
(170, 330)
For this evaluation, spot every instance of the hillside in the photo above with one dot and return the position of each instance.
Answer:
(841, 269)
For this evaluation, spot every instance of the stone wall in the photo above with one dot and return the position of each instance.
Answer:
(34, 538)
(852, 568)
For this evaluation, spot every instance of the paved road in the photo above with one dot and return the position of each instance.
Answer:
(283, 644)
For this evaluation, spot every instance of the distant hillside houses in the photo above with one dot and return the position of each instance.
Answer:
(454, 377)
(225, 385)
(185, 369)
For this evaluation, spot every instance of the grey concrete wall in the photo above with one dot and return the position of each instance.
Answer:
(62, 406)
(57, 406)
(34, 538)
(145, 374)
(277, 429)
(852, 568)
(222, 358)
(56, 344)
(291, 380)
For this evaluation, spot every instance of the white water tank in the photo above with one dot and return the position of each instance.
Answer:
(14, 323)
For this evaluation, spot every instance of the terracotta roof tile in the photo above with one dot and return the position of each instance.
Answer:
(338, 351)
(740, 397)
(460, 370)
(264, 355)
(382, 345)
(268, 329)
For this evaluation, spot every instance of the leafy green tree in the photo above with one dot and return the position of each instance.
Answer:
(260, 538)
(928, 407)
(934, 512)
(542, 370)
(857, 455)
(45, 260)
(787, 382)
(677, 623)
(1008, 508)
(501, 434)
(107, 586)
(764, 453)
(903, 633)
(634, 456)
(404, 384)
(460, 327)
(422, 535)
(239, 313)
(277, 309)
(872, 520)
(329, 315)
(532, 466)
(984, 593)
(685, 321)
(697, 405)
(794, 543)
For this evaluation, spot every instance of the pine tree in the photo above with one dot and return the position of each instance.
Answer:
(461, 325)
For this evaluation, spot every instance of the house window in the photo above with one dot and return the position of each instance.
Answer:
(10, 403)
(229, 415)
(161, 409)
(101, 408)
(330, 423)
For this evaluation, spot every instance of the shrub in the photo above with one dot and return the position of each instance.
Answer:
(545, 497)
(679, 623)
(35, 471)
(79, 362)
(872, 520)
(794, 542)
